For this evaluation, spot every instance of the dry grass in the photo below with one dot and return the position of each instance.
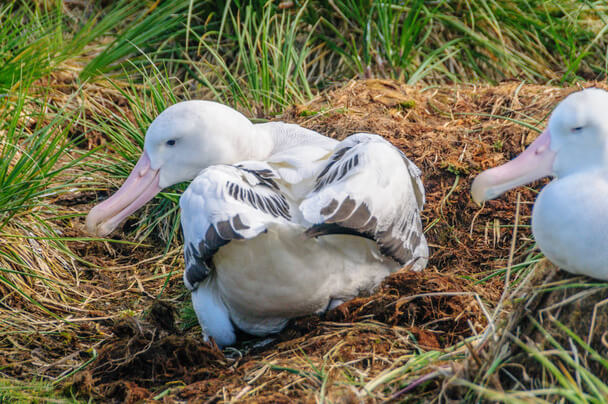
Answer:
(421, 336)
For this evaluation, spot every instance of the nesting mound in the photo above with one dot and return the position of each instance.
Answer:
(142, 355)
(451, 133)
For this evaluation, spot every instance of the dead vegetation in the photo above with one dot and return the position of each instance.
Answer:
(114, 339)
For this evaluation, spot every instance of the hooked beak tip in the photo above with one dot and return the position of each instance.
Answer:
(139, 187)
(94, 226)
(478, 190)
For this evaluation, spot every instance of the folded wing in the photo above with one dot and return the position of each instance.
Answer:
(369, 188)
(226, 203)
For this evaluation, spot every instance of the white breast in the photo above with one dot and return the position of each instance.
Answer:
(570, 224)
(282, 274)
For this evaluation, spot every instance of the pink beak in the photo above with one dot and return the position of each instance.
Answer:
(139, 188)
(534, 163)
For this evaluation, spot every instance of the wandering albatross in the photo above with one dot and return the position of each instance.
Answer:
(570, 215)
(279, 221)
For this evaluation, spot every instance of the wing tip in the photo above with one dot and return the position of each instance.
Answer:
(326, 229)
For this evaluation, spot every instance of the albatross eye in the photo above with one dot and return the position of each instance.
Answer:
(171, 142)
(577, 129)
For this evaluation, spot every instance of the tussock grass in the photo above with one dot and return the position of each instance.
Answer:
(33, 153)
(30, 47)
(144, 29)
(45, 291)
(384, 38)
(259, 59)
(35, 168)
(13, 391)
(481, 40)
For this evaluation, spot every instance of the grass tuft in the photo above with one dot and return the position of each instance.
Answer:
(259, 60)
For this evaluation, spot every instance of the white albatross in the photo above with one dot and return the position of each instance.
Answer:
(570, 215)
(279, 221)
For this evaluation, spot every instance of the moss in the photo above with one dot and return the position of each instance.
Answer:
(409, 104)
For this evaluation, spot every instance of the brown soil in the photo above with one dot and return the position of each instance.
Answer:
(452, 133)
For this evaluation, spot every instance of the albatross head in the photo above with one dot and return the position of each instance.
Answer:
(184, 139)
(575, 139)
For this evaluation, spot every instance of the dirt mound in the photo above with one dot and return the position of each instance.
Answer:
(440, 309)
(141, 355)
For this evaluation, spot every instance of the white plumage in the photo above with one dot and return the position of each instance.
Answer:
(569, 218)
(280, 221)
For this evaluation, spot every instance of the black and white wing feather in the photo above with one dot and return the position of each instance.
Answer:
(226, 203)
(369, 188)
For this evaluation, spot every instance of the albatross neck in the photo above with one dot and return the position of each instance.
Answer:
(281, 137)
